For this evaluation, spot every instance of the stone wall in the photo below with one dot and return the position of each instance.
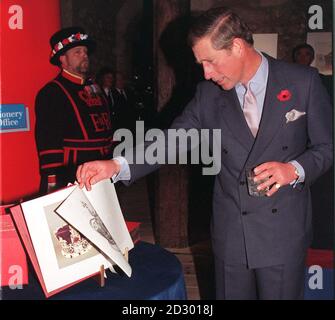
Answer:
(128, 20)
(288, 18)
(115, 23)
(112, 23)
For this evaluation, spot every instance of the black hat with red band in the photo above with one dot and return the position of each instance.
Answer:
(66, 39)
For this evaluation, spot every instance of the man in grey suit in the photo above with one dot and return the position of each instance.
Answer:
(274, 117)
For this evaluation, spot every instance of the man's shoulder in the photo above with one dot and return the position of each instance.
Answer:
(50, 86)
(290, 68)
(209, 87)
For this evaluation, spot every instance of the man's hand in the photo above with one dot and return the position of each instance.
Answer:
(279, 174)
(92, 172)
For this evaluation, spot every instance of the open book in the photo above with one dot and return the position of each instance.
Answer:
(71, 233)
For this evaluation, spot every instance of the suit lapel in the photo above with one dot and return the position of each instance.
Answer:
(273, 115)
(274, 110)
(234, 118)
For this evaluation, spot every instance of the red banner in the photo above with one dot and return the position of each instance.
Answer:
(26, 26)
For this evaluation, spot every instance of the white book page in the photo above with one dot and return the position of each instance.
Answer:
(104, 199)
(78, 211)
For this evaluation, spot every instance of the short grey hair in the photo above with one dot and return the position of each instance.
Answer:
(222, 25)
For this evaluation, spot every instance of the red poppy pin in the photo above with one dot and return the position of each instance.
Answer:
(284, 95)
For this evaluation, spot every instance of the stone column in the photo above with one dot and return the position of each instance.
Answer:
(127, 20)
(171, 197)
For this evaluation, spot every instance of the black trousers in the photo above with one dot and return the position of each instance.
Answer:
(280, 282)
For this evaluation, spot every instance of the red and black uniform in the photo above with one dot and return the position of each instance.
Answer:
(72, 127)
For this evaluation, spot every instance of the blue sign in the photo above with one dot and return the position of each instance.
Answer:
(14, 118)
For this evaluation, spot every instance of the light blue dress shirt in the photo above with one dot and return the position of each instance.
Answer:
(257, 85)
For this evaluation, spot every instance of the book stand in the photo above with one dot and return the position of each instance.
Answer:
(100, 277)
(126, 255)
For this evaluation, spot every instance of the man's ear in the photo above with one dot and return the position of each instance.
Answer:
(238, 46)
(62, 59)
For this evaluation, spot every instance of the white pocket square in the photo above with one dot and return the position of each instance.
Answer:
(293, 115)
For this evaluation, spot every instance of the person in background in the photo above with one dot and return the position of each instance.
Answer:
(276, 118)
(303, 54)
(123, 108)
(105, 79)
(72, 115)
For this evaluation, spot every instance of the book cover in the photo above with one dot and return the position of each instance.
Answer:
(134, 230)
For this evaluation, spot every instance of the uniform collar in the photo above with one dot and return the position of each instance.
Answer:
(73, 77)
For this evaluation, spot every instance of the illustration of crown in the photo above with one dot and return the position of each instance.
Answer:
(72, 242)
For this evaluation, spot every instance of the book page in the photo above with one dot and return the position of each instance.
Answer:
(78, 211)
(104, 199)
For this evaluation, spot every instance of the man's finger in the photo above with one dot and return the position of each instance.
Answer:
(86, 172)
(266, 184)
(263, 175)
(78, 176)
(84, 175)
(273, 190)
(262, 167)
(92, 178)
(88, 185)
